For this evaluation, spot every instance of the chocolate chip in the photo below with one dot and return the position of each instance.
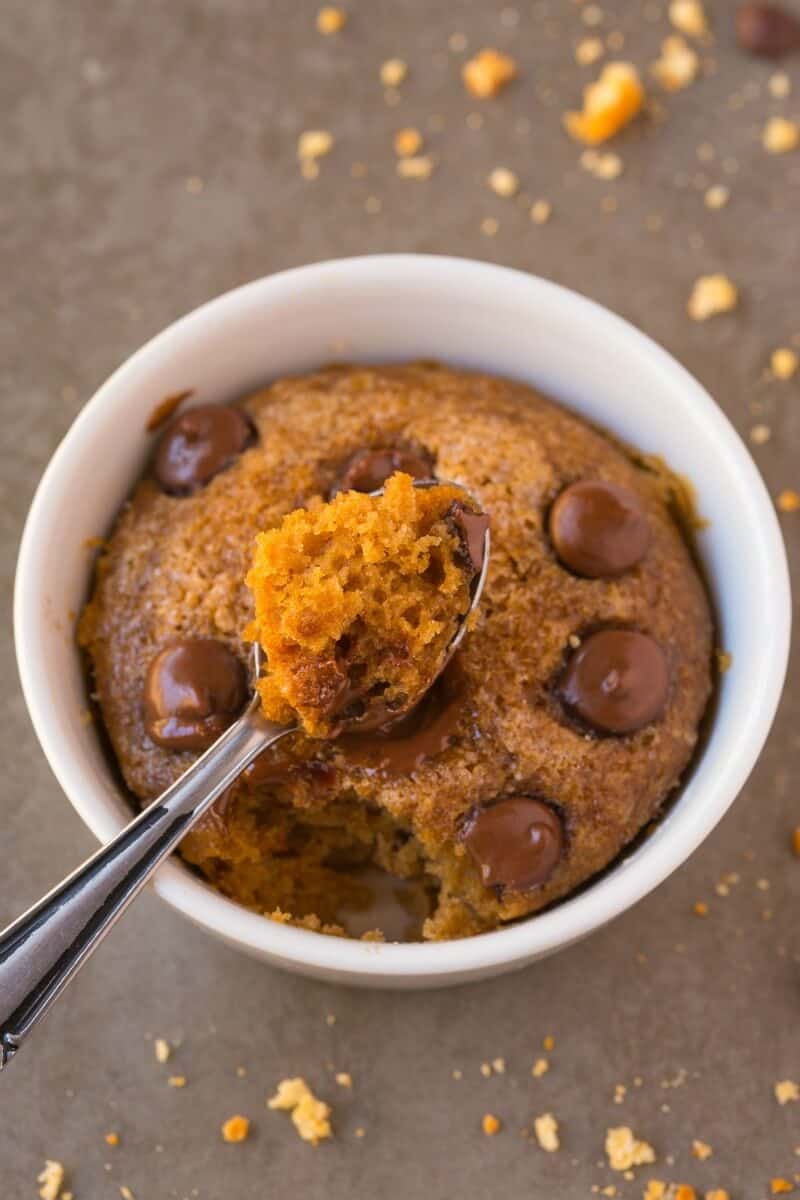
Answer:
(767, 30)
(194, 689)
(516, 842)
(617, 681)
(470, 527)
(401, 746)
(598, 529)
(198, 445)
(368, 469)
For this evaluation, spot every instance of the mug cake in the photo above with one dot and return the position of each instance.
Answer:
(552, 739)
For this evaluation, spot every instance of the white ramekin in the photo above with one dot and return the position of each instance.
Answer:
(392, 308)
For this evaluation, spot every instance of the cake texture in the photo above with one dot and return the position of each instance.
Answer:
(358, 601)
(555, 735)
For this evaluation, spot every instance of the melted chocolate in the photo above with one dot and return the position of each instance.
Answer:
(194, 689)
(470, 528)
(400, 747)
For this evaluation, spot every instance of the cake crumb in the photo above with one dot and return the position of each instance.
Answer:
(407, 142)
(125, 1192)
(457, 1073)
(541, 211)
(503, 182)
(783, 362)
(700, 908)
(111, 1139)
(787, 1090)
(546, 1130)
(678, 65)
(330, 1019)
(619, 1093)
(344, 1079)
(421, 166)
(760, 435)
(331, 19)
(610, 103)
(548, 1042)
(52, 1180)
(488, 73)
(796, 841)
(235, 1129)
(490, 226)
(162, 1050)
(588, 51)
(701, 1150)
(788, 500)
(711, 294)
(490, 1125)
(656, 1189)
(780, 135)
(625, 1151)
(682, 1191)
(779, 1186)
(717, 1194)
(393, 72)
(779, 85)
(360, 1132)
(499, 1066)
(309, 1115)
(540, 1067)
(177, 1081)
(689, 17)
(602, 166)
(241, 1072)
(717, 196)
(313, 144)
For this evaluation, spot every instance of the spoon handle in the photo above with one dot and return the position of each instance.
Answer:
(42, 950)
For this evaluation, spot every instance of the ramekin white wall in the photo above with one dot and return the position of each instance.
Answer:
(390, 308)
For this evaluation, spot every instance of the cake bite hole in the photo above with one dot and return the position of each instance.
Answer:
(354, 623)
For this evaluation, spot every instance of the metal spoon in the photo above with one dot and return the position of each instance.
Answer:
(44, 948)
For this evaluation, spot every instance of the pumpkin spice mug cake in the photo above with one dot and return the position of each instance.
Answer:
(581, 708)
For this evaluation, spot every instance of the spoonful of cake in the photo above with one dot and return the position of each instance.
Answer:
(359, 603)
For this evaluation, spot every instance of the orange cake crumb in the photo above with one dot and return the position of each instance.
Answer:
(487, 73)
(780, 1186)
(356, 602)
(608, 104)
(235, 1129)
(625, 1151)
(112, 1139)
(490, 1125)
(310, 1116)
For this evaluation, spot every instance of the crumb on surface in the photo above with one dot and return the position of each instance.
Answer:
(788, 500)
(624, 1150)
(787, 1090)
(711, 295)
(603, 166)
(610, 103)
(125, 1192)
(419, 166)
(588, 51)
(779, 1186)
(541, 211)
(310, 1116)
(780, 135)
(51, 1178)
(701, 1150)
(177, 1081)
(393, 72)
(655, 1189)
(678, 65)
(546, 1129)
(779, 85)
(499, 1066)
(783, 362)
(717, 1194)
(111, 1139)
(488, 73)
(235, 1129)
(700, 908)
(407, 142)
(717, 196)
(162, 1049)
(760, 434)
(540, 1067)
(503, 182)
(548, 1042)
(344, 1079)
(689, 17)
(331, 19)
(313, 144)
(796, 841)
(490, 1124)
